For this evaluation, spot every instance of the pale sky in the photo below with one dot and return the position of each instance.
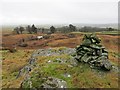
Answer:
(58, 11)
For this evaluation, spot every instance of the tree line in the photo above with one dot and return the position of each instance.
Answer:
(65, 29)
(32, 29)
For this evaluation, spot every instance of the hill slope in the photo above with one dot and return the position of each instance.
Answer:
(47, 67)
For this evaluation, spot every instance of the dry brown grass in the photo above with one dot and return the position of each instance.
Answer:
(11, 65)
(13, 62)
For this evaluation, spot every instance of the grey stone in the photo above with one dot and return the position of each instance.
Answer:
(92, 52)
(52, 82)
(67, 75)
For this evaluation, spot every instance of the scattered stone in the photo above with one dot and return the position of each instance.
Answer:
(73, 62)
(49, 61)
(70, 66)
(67, 75)
(53, 52)
(32, 60)
(115, 68)
(46, 52)
(52, 82)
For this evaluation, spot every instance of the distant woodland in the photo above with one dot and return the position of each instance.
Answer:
(64, 29)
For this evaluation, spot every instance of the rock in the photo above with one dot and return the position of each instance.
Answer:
(32, 60)
(52, 82)
(49, 61)
(93, 53)
(115, 68)
(60, 60)
(107, 65)
(67, 75)
(53, 52)
(70, 66)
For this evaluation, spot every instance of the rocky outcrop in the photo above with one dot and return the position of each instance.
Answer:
(48, 82)
(52, 82)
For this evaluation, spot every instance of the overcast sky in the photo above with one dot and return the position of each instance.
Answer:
(59, 11)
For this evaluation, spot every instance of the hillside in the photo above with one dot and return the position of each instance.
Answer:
(53, 62)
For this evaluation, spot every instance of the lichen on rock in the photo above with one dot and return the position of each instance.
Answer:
(93, 53)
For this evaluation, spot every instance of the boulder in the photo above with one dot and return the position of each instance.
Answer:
(52, 82)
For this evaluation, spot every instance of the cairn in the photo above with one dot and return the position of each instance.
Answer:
(93, 53)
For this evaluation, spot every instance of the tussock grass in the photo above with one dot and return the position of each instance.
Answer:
(82, 76)
(11, 64)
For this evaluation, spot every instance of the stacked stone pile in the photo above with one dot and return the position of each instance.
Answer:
(93, 53)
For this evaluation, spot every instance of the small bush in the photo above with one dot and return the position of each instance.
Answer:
(46, 36)
(12, 50)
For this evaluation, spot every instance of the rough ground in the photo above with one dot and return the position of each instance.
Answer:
(58, 40)
(46, 65)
